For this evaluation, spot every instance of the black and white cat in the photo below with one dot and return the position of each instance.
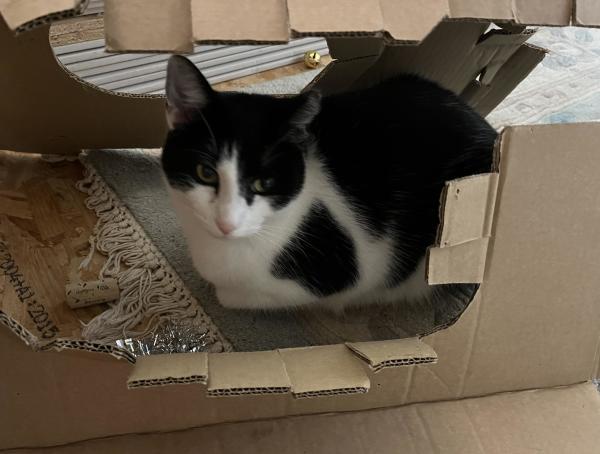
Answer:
(327, 201)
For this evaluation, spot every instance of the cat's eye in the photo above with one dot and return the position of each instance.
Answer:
(262, 185)
(206, 174)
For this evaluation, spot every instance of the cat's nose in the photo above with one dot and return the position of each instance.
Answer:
(225, 227)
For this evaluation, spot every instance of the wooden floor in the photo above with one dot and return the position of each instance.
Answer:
(44, 231)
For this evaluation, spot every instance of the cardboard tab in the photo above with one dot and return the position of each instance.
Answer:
(339, 75)
(394, 353)
(237, 373)
(501, 46)
(19, 13)
(460, 264)
(158, 370)
(539, 12)
(334, 16)
(148, 25)
(412, 20)
(240, 20)
(324, 371)
(468, 209)
(344, 48)
(484, 98)
(587, 13)
(481, 9)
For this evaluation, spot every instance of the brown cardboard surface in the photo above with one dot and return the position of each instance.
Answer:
(586, 13)
(533, 324)
(424, 58)
(335, 16)
(325, 370)
(485, 97)
(392, 353)
(247, 373)
(65, 114)
(248, 20)
(557, 12)
(553, 421)
(412, 20)
(158, 25)
(463, 263)
(154, 370)
(130, 23)
(17, 13)
(343, 48)
(468, 209)
(541, 263)
(341, 75)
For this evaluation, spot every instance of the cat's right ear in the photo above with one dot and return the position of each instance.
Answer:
(188, 92)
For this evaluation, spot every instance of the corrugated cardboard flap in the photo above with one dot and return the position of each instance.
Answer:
(467, 210)
(394, 353)
(463, 263)
(465, 227)
(324, 370)
(587, 13)
(406, 21)
(24, 14)
(174, 25)
(156, 370)
(239, 373)
(530, 12)
(148, 24)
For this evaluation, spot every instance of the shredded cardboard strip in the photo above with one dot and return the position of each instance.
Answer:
(150, 291)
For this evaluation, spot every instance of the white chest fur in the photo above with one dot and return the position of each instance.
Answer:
(240, 268)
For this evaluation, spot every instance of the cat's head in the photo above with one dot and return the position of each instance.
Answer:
(233, 160)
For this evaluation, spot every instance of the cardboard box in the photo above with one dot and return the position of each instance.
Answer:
(512, 374)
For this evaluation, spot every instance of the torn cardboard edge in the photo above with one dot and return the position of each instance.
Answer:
(304, 372)
(37, 344)
(466, 215)
(401, 352)
(139, 25)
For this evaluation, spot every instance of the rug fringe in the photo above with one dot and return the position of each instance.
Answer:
(151, 291)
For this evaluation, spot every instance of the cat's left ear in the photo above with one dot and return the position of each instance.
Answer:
(307, 106)
(188, 92)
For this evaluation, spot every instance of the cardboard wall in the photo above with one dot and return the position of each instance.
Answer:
(58, 114)
(555, 421)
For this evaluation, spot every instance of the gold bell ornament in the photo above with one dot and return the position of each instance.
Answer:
(312, 59)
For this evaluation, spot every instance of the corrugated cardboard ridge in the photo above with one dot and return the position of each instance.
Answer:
(62, 344)
(24, 15)
(467, 209)
(325, 370)
(238, 373)
(394, 353)
(409, 21)
(304, 372)
(466, 214)
(157, 370)
(141, 24)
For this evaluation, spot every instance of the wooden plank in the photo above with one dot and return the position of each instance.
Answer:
(44, 227)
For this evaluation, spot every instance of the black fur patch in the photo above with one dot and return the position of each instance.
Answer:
(320, 256)
(390, 149)
(260, 128)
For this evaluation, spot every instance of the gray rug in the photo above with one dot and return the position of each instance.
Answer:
(564, 88)
(135, 176)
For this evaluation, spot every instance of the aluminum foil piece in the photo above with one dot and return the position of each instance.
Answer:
(172, 336)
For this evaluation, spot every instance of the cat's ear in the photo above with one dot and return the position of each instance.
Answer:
(307, 106)
(188, 92)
